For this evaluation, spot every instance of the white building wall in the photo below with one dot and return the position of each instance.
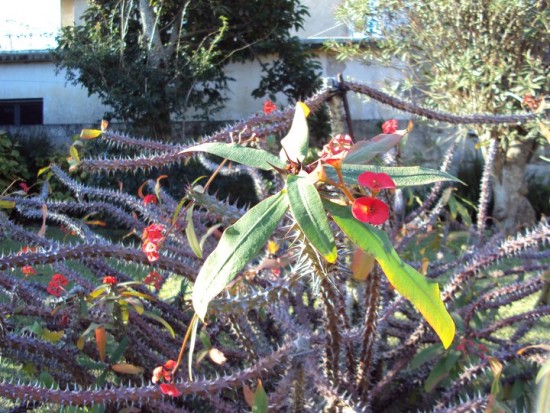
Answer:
(64, 103)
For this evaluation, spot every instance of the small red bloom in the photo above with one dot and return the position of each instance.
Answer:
(28, 270)
(370, 210)
(163, 372)
(60, 279)
(376, 181)
(170, 390)
(269, 107)
(336, 150)
(109, 279)
(153, 233)
(170, 364)
(149, 199)
(54, 288)
(155, 279)
(24, 187)
(389, 126)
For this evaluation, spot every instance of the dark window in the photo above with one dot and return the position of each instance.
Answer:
(21, 112)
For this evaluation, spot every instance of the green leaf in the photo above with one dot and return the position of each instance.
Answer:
(402, 176)
(296, 142)
(119, 351)
(255, 158)
(239, 243)
(191, 234)
(161, 320)
(308, 211)
(260, 399)
(412, 285)
(438, 373)
(427, 354)
(363, 151)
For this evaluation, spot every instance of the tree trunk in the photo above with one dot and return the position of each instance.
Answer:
(512, 210)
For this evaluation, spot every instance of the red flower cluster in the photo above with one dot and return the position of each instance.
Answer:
(109, 279)
(269, 107)
(55, 286)
(154, 279)
(165, 373)
(149, 199)
(336, 150)
(28, 270)
(369, 209)
(389, 126)
(152, 236)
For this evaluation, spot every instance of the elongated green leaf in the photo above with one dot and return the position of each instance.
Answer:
(239, 243)
(255, 158)
(364, 151)
(191, 235)
(296, 142)
(402, 176)
(412, 285)
(161, 320)
(308, 211)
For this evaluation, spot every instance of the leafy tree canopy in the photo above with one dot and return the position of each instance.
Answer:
(149, 59)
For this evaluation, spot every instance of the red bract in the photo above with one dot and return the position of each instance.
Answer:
(54, 288)
(389, 126)
(109, 279)
(376, 181)
(149, 199)
(60, 279)
(28, 270)
(154, 278)
(169, 390)
(24, 187)
(153, 233)
(370, 210)
(152, 236)
(336, 150)
(269, 107)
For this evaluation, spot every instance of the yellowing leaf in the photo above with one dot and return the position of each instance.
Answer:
(361, 265)
(52, 336)
(127, 368)
(90, 133)
(295, 144)
(412, 285)
(7, 204)
(101, 341)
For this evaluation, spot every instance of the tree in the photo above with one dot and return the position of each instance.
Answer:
(150, 59)
(468, 57)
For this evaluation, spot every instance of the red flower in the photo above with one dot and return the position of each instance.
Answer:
(149, 199)
(370, 210)
(60, 279)
(155, 279)
(269, 107)
(170, 390)
(28, 270)
(376, 181)
(24, 187)
(109, 279)
(163, 372)
(336, 150)
(54, 288)
(389, 126)
(152, 236)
